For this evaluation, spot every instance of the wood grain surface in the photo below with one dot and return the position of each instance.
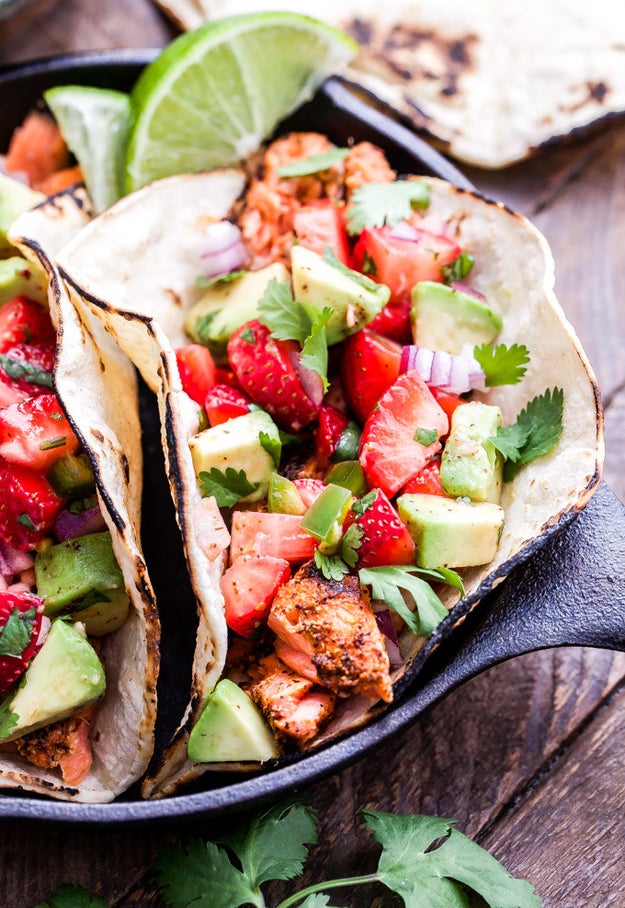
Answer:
(528, 757)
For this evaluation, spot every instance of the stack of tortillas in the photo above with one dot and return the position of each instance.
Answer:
(492, 80)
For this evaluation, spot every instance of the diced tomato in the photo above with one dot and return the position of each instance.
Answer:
(401, 263)
(309, 490)
(22, 321)
(394, 321)
(384, 538)
(447, 400)
(320, 224)
(224, 402)
(35, 433)
(427, 481)
(262, 533)
(248, 587)
(330, 427)
(369, 367)
(390, 453)
(37, 148)
(197, 371)
(28, 506)
(28, 368)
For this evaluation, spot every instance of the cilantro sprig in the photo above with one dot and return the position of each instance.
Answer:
(313, 164)
(457, 270)
(376, 204)
(537, 430)
(21, 368)
(389, 583)
(227, 487)
(16, 633)
(502, 365)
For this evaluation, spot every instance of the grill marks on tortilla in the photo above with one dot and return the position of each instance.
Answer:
(412, 54)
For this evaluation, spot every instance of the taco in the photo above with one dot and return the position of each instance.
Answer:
(79, 630)
(304, 520)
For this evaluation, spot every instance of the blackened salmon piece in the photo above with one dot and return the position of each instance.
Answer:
(332, 623)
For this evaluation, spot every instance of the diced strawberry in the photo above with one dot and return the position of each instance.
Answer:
(248, 587)
(21, 616)
(394, 321)
(390, 452)
(35, 433)
(28, 506)
(400, 263)
(197, 371)
(385, 539)
(309, 490)
(224, 402)
(330, 427)
(262, 533)
(369, 367)
(264, 368)
(447, 400)
(22, 321)
(427, 481)
(28, 368)
(319, 225)
(37, 148)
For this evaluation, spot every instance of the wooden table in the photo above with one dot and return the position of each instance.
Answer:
(529, 757)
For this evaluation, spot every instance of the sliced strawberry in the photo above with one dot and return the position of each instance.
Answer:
(394, 321)
(369, 367)
(394, 445)
(427, 481)
(21, 617)
(248, 587)
(224, 402)
(262, 533)
(385, 539)
(22, 321)
(28, 506)
(447, 400)
(264, 369)
(35, 433)
(28, 368)
(330, 427)
(197, 371)
(309, 490)
(319, 225)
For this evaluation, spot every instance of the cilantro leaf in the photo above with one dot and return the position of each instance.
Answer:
(331, 566)
(351, 542)
(363, 504)
(228, 487)
(425, 437)
(458, 269)
(273, 447)
(376, 204)
(313, 164)
(21, 368)
(272, 846)
(278, 311)
(15, 635)
(67, 896)
(537, 430)
(201, 874)
(8, 719)
(443, 575)
(315, 348)
(226, 277)
(502, 365)
(361, 279)
(410, 866)
(387, 583)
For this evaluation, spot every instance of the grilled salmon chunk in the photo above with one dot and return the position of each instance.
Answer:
(331, 624)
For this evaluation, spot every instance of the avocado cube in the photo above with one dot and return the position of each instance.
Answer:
(18, 277)
(447, 319)
(471, 466)
(15, 199)
(450, 532)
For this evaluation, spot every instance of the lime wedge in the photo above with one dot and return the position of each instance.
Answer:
(214, 94)
(95, 123)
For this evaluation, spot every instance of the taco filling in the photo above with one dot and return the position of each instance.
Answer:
(363, 407)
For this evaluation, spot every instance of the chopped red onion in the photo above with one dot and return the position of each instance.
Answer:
(457, 373)
(405, 231)
(223, 249)
(312, 382)
(70, 526)
(384, 621)
(12, 561)
(44, 627)
(471, 291)
(441, 369)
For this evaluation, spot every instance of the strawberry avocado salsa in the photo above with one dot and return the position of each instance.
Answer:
(347, 450)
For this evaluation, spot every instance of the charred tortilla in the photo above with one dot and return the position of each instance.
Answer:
(136, 269)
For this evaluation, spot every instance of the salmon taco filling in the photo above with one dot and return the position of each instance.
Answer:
(365, 384)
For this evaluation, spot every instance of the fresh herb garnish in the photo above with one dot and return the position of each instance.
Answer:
(376, 204)
(362, 504)
(248, 335)
(425, 437)
(227, 488)
(365, 282)
(203, 324)
(502, 365)
(537, 430)
(458, 269)
(333, 567)
(67, 896)
(21, 368)
(351, 543)
(8, 719)
(273, 447)
(368, 264)
(226, 277)
(53, 443)
(387, 583)
(313, 164)
(420, 854)
(315, 348)
(15, 635)
(25, 521)
(80, 505)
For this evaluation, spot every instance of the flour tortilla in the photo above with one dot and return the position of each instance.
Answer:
(136, 268)
(97, 387)
(492, 80)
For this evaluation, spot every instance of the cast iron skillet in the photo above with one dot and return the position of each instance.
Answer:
(567, 593)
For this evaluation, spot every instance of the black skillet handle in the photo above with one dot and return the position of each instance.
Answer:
(571, 593)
